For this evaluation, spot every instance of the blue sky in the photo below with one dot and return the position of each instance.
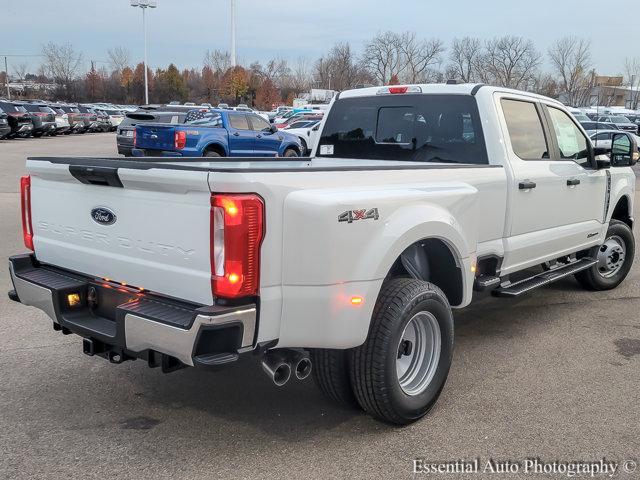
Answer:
(181, 30)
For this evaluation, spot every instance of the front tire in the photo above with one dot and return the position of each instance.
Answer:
(398, 373)
(290, 152)
(615, 258)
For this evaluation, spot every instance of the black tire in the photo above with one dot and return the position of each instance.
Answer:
(305, 148)
(211, 153)
(290, 152)
(593, 279)
(37, 134)
(374, 379)
(331, 375)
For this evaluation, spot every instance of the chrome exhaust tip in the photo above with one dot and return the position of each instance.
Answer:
(277, 368)
(303, 367)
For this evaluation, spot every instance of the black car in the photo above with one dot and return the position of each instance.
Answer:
(5, 129)
(124, 135)
(90, 119)
(591, 127)
(43, 118)
(18, 118)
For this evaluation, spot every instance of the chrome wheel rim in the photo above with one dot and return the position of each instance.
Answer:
(611, 256)
(418, 353)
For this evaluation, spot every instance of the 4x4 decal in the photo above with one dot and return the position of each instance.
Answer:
(353, 215)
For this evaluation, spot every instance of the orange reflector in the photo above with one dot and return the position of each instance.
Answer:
(357, 300)
(73, 299)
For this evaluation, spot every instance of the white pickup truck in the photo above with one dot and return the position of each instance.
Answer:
(346, 264)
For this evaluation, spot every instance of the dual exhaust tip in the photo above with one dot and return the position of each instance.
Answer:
(280, 365)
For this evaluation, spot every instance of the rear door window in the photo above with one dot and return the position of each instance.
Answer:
(525, 129)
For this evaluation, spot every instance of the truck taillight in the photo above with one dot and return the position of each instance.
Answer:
(134, 137)
(25, 202)
(237, 230)
(180, 140)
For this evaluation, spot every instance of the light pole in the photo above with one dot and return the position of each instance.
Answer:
(233, 33)
(6, 77)
(144, 4)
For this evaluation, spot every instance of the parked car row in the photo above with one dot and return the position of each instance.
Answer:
(224, 130)
(35, 118)
(608, 118)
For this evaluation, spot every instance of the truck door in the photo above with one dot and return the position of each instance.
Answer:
(556, 198)
(267, 143)
(241, 137)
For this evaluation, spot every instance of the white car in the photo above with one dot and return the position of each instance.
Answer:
(308, 131)
(115, 118)
(348, 263)
(603, 138)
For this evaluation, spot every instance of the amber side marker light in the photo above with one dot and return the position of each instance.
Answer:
(73, 299)
(357, 300)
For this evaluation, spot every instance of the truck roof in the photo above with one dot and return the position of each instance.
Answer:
(443, 88)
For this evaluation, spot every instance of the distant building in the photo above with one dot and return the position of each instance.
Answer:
(610, 92)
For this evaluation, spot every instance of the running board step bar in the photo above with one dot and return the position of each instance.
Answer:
(522, 286)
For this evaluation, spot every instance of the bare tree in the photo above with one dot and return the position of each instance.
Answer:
(417, 56)
(276, 70)
(21, 70)
(383, 57)
(508, 62)
(119, 58)
(300, 78)
(340, 69)
(463, 57)
(632, 74)
(571, 59)
(217, 61)
(545, 84)
(61, 62)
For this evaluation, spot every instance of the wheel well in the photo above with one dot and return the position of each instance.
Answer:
(292, 147)
(214, 147)
(431, 260)
(621, 211)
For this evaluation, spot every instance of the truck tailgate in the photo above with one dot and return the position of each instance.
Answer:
(159, 240)
(155, 136)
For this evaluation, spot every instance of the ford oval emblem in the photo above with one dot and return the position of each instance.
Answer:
(103, 216)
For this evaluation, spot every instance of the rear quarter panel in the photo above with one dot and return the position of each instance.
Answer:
(311, 264)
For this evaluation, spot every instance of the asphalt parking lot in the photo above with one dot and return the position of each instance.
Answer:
(554, 375)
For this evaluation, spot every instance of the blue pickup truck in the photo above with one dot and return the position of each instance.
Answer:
(215, 133)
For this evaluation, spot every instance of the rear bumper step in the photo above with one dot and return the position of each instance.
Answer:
(121, 323)
(544, 278)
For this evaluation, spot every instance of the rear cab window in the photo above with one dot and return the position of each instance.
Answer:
(410, 127)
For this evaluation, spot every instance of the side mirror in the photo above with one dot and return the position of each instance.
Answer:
(624, 150)
(273, 128)
(316, 128)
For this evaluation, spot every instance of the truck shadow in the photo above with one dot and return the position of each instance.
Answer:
(242, 393)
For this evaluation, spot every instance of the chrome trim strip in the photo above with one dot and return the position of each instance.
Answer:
(142, 333)
(33, 295)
